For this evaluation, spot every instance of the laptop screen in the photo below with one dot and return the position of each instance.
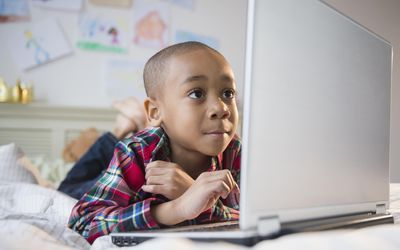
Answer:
(316, 113)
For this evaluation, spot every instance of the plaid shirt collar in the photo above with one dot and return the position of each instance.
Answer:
(162, 150)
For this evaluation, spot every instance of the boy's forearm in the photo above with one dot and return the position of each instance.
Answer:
(167, 213)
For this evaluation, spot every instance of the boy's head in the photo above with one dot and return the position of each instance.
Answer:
(191, 95)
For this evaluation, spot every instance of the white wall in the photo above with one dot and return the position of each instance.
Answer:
(382, 17)
(77, 80)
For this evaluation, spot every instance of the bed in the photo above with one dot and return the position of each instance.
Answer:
(35, 217)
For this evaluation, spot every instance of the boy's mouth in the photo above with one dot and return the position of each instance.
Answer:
(218, 132)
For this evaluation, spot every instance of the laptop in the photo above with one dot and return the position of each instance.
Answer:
(316, 126)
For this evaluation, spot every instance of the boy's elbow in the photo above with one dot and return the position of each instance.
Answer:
(85, 227)
(89, 221)
(79, 219)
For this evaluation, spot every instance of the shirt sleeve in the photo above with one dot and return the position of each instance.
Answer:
(112, 205)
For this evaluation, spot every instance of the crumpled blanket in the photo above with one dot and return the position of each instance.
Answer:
(35, 217)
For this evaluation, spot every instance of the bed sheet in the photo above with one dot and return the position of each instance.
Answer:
(33, 217)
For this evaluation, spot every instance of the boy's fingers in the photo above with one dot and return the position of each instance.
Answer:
(236, 193)
(155, 189)
(231, 186)
(237, 188)
(221, 188)
(152, 164)
(155, 180)
(222, 176)
(155, 169)
(237, 197)
(147, 188)
(155, 172)
(231, 181)
(225, 191)
(159, 164)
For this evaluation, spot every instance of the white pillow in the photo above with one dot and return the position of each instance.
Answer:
(10, 170)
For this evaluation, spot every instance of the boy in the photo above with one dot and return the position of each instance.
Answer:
(185, 168)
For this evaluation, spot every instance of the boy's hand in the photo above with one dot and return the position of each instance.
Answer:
(205, 192)
(167, 179)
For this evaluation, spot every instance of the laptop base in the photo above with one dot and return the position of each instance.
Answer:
(337, 222)
(237, 237)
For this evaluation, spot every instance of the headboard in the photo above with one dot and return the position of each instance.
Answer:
(44, 130)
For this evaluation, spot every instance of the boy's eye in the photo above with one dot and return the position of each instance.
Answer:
(196, 94)
(228, 94)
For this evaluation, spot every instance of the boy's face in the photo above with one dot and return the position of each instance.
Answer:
(198, 104)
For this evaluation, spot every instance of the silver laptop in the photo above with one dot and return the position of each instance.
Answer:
(316, 125)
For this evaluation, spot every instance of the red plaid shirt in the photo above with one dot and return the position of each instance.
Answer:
(116, 203)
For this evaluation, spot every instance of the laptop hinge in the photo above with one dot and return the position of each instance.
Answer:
(380, 208)
(268, 226)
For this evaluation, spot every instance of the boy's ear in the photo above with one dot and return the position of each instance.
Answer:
(152, 112)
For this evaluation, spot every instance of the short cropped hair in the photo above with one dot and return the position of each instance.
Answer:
(156, 66)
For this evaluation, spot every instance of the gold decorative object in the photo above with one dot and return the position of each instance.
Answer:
(16, 92)
(4, 92)
(20, 93)
(26, 93)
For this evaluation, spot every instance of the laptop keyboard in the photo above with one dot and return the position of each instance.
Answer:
(219, 226)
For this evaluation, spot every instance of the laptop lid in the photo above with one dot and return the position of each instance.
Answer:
(316, 115)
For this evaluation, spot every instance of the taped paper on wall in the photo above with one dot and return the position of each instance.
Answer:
(37, 43)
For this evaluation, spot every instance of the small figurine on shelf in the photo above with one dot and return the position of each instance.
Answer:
(3, 91)
(16, 92)
(20, 93)
(26, 93)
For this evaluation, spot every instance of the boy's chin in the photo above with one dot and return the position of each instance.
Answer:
(213, 151)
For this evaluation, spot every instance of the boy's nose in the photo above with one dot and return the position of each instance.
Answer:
(218, 110)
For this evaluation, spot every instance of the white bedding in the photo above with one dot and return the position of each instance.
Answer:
(33, 217)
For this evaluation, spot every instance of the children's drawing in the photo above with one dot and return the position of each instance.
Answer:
(123, 78)
(70, 5)
(184, 36)
(113, 3)
(103, 34)
(40, 55)
(37, 43)
(150, 25)
(13, 10)
(186, 4)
